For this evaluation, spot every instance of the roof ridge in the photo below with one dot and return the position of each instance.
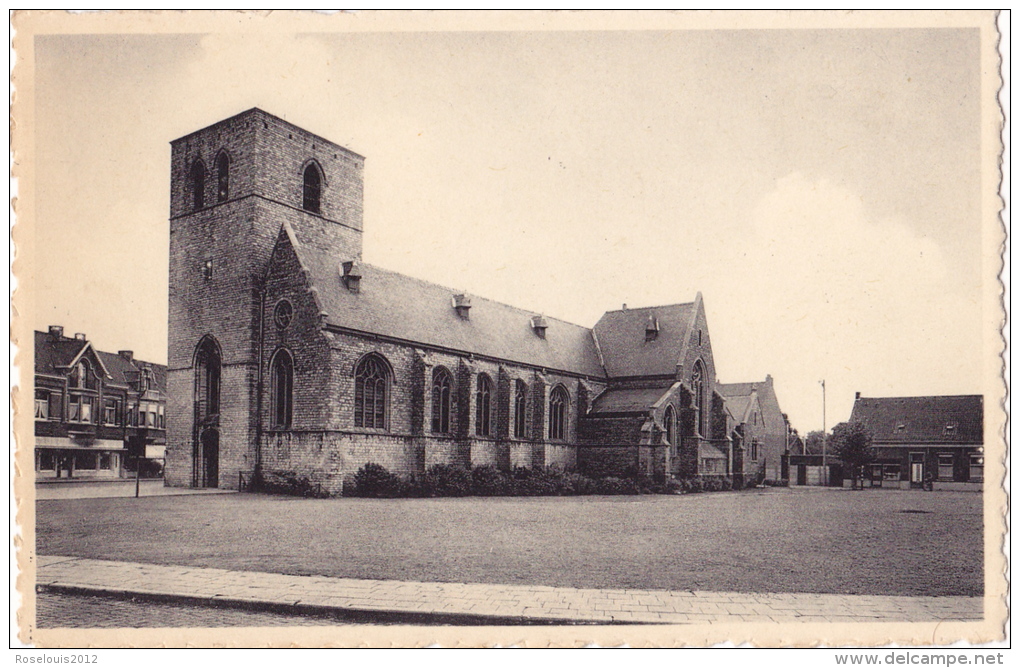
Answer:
(473, 295)
(649, 308)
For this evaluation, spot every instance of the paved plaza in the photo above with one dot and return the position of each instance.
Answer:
(481, 603)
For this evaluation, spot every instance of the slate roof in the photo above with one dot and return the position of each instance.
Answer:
(621, 337)
(737, 389)
(628, 400)
(52, 353)
(52, 356)
(739, 405)
(924, 420)
(402, 307)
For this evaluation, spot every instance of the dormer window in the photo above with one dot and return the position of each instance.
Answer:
(950, 429)
(312, 189)
(651, 328)
(900, 429)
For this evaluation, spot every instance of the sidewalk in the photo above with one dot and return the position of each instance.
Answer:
(453, 603)
(122, 487)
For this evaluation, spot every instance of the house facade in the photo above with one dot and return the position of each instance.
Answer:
(917, 439)
(763, 430)
(95, 412)
(290, 356)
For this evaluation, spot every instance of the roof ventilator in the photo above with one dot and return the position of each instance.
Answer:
(350, 274)
(539, 325)
(462, 304)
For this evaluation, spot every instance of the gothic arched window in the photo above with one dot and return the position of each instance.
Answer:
(441, 390)
(198, 185)
(207, 378)
(312, 189)
(222, 177)
(698, 402)
(670, 426)
(483, 406)
(371, 384)
(558, 402)
(520, 409)
(282, 388)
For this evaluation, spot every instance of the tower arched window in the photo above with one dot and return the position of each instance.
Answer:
(483, 406)
(441, 394)
(312, 189)
(558, 402)
(282, 388)
(670, 419)
(371, 387)
(207, 378)
(520, 409)
(198, 175)
(698, 401)
(222, 177)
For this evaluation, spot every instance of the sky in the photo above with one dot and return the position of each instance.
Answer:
(820, 188)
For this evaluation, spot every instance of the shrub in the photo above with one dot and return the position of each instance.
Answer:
(446, 480)
(375, 481)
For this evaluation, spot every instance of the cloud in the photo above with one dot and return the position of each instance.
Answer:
(820, 287)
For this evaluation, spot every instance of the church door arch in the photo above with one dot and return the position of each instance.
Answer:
(209, 459)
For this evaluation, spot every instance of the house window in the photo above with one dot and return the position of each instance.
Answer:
(520, 409)
(558, 401)
(80, 408)
(312, 189)
(161, 418)
(370, 386)
(198, 185)
(110, 411)
(222, 177)
(42, 405)
(105, 461)
(946, 467)
(132, 415)
(282, 382)
(977, 468)
(56, 405)
(86, 461)
(670, 420)
(441, 391)
(45, 461)
(483, 406)
(82, 377)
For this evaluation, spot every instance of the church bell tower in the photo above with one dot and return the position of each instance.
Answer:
(232, 187)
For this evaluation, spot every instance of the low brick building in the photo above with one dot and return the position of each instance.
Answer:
(917, 439)
(289, 356)
(94, 411)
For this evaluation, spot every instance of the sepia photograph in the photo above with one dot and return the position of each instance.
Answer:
(508, 328)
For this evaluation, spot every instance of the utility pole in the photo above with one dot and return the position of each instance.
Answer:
(825, 469)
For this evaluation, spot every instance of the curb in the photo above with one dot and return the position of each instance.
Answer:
(354, 615)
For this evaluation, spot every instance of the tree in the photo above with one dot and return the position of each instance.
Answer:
(851, 442)
(813, 443)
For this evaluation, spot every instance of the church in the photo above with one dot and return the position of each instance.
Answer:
(290, 356)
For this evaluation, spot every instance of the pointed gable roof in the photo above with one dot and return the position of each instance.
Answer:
(627, 351)
(416, 311)
(917, 420)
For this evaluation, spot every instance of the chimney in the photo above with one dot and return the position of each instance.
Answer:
(79, 336)
(651, 328)
(129, 355)
(462, 304)
(56, 331)
(768, 379)
(857, 396)
(351, 276)
(539, 325)
(624, 307)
